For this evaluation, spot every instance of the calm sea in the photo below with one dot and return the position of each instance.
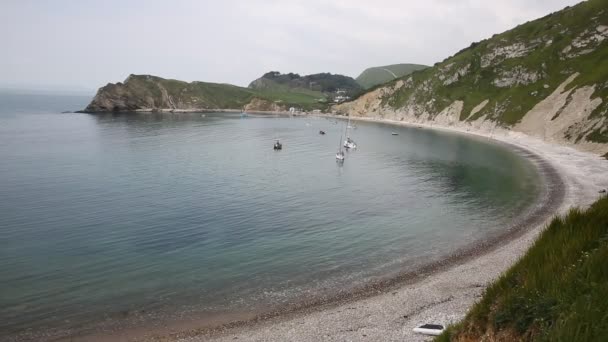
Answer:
(108, 214)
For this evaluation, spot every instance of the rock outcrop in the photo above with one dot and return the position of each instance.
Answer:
(151, 93)
(262, 105)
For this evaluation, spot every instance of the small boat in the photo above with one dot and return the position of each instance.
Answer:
(340, 156)
(278, 145)
(349, 143)
(429, 329)
(322, 132)
(394, 133)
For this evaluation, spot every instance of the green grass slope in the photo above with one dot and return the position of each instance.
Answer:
(517, 69)
(374, 76)
(557, 292)
(325, 83)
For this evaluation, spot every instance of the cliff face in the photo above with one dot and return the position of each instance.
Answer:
(547, 78)
(145, 92)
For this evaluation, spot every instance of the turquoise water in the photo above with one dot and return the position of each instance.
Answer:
(102, 214)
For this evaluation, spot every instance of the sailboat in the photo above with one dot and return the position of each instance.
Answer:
(349, 143)
(340, 154)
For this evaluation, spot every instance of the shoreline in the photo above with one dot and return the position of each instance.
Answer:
(195, 111)
(444, 293)
(297, 322)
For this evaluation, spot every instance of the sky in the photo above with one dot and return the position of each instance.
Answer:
(84, 44)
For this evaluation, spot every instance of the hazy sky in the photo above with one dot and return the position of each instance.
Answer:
(86, 43)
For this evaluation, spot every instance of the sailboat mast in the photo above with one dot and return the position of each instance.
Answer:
(340, 143)
(347, 124)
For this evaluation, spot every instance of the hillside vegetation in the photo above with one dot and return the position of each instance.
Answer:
(324, 83)
(556, 292)
(374, 76)
(547, 77)
(146, 92)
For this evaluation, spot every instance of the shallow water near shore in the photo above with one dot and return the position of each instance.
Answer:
(190, 214)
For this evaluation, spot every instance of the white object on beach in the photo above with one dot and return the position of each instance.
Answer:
(429, 329)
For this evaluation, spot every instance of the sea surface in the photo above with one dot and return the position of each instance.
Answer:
(187, 214)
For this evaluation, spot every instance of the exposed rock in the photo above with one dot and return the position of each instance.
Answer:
(457, 75)
(450, 115)
(586, 42)
(502, 53)
(151, 93)
(563, 115)
(478, 108)
(263, 105)
(516, 76)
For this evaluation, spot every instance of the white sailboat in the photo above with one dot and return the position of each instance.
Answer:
(349, 143)
(340, 154)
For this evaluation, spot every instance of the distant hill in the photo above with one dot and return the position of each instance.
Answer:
(321, 83)
(377, 75)
(152, 93)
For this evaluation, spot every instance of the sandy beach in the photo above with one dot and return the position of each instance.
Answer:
(441, 293)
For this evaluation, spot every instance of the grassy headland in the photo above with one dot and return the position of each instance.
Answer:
(140, 92)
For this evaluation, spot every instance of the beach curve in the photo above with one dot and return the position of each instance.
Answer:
(441, 292)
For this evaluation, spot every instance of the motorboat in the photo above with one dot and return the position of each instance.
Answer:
(278, 145)
(322, 132)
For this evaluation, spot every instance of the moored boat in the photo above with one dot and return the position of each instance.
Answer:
(340, 156)
(349, 143)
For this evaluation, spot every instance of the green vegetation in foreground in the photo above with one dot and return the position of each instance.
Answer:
(374, 76)
(528, 63)
(557, 292)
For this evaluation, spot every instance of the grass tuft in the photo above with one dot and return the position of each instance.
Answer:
(556, 292)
